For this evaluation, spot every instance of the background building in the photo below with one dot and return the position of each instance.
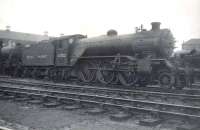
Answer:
(191, 44)
(11, 38)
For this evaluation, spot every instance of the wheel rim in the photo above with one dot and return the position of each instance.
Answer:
(85, 72)
(105, 77)
(52, 74)
(66, 75)
(127, 78)
(105, 74)
(180, 82)
(59, 75)
(166, 80)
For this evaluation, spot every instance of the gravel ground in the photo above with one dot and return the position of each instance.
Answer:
(21, 116)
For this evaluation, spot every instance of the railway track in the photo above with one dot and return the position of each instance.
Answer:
(158, 96)
(150, 88)
(83, 95)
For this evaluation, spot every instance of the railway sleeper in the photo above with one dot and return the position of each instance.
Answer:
(87, 96)
(134, 108)
(155, 90)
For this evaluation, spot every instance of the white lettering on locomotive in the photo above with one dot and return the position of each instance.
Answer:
(42, 56)
(61, 55)
(29, 57)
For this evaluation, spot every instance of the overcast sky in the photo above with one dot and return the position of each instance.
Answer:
(95, 17)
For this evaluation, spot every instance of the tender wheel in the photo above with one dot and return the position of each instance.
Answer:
(33, 73)
(105, 74)
(24, 72)
(127, 78)
(16, 72)
(27, 73)
(59, 75)
(66, 75)
(87, 71)
(166, 80)
(52, 74)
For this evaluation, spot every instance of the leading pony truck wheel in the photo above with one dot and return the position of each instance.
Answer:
(166, 79)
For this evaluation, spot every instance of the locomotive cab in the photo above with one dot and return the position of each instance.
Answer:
(63, 46)
(61, 52)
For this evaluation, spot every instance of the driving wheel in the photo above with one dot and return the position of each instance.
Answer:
(127, 78)
(87, 71)
(105, 73)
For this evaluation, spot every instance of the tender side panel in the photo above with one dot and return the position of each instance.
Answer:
(41, 54)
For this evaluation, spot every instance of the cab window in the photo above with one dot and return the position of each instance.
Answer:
(59, 44)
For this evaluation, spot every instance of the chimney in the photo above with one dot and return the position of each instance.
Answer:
(155, 26)
(7, 28)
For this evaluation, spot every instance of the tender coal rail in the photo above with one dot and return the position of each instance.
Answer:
(108, 101)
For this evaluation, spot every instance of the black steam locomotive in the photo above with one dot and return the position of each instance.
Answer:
(189, 57)
(139, 58)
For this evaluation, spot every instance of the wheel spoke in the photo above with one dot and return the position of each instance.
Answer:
(127, 78)
(85, 73)
(166, 79)
(105, 75)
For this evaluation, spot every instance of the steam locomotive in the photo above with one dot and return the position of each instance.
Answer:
(139, 58)
(190, 56)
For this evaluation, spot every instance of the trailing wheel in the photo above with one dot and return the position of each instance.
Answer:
(127, 78)
(105, 73)
(166, 79)
(87, 71)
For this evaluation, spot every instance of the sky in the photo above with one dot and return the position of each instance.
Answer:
(95, 17)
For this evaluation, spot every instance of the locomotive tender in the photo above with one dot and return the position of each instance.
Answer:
(106, 59)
